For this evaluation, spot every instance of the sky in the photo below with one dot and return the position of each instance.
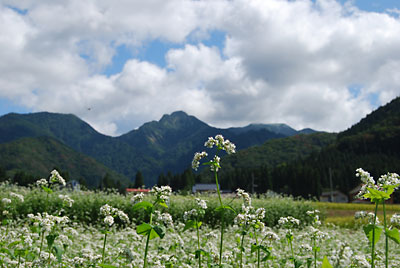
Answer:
(321, 64)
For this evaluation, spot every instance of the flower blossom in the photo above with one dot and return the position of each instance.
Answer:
(56, 178)
(196, 159)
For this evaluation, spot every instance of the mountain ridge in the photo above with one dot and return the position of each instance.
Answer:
(157, 146)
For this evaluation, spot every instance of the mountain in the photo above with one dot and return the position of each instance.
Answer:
(156, 147)
(373, 144)
(39, 155)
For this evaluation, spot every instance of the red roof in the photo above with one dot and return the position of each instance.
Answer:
(133, 190)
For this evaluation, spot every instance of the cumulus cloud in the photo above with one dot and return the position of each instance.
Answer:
(282, 61)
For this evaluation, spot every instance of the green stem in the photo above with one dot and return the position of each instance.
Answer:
(291, 250)
(241, 250)
(41, 243)
(386, 237)
(222, 218)
(222, 238)
(315, 253)
(373, 237)
(258, 248)
(198, 242)
(147, 242)
(104, 247)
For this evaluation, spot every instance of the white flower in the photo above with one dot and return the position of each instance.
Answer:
(395, 219)
(162, 192)
(18, 196)
(56, 178)
(137, 198)
(42, 182)
(288, 222)
(390, 179)
(66, 200)
(6, 201)
(201, 203)
(196, 159)
(122, 216)
(220, 143)
(215, 166)
(109, 220)
(246, 197)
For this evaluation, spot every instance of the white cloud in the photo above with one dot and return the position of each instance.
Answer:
(282, 61)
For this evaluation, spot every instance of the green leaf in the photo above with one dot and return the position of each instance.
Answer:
(58, 251)
(325, 263)
(160, 230)
(162, 203)
(107, 265)
(394, 235)
(47, 189)
(144, 228)
(369, 229)
(220, 208)
(144, 204)
(153, 234)
(376, 195)
(50, 239)
(199, 252)
(297, 263)
(254, 248)
(189, 224)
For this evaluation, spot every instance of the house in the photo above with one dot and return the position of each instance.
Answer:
(333, 196)
(204, 187)
(73, 185)
(137, 190)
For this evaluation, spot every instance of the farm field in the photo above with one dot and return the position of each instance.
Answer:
(61, 228)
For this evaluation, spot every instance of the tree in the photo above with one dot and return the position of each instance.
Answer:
(139, 181)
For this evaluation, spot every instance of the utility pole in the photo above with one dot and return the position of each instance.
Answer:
(252, 183)
(330, 183)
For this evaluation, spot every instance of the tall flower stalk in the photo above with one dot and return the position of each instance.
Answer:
(193, 220)
(221, 145)
(151, 230)
(378, 193)
(109, 213)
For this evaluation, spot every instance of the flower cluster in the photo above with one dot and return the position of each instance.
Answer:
(395, 220)
(389, 180)
(56, 178)
(110, 213)
(196, 159)
(164, 218)
(162, 193)
(137, 198)
(67, 201)
(215, 166)
(197, 212)
(201, 203)
(47, 222)
(250, 216)
(42, 182)
(6, 201)
(369, 216)
(17, 196)
(221, 143)
(288, 222)
(244, 195)
(315, 215)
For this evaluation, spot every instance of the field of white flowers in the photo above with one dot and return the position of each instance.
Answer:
(47, 226)
(57, 240)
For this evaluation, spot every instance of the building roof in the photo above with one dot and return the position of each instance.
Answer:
(134, 190)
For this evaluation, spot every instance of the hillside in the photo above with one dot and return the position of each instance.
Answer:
(373, 144)
(155, 147)
(38, 156)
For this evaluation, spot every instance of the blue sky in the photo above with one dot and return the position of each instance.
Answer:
(229, 63)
